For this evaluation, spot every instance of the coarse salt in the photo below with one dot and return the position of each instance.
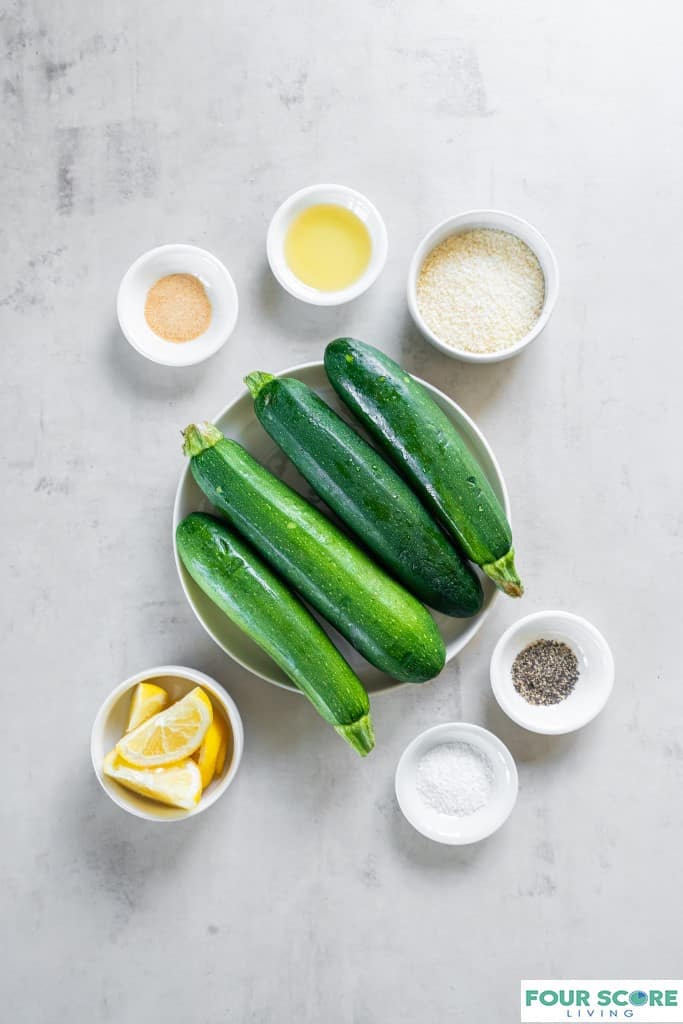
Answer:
(455, 778)
(481, 290)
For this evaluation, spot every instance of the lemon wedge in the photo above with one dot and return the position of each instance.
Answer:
(169, 736)
(147, 700)
(179, 785)
(222, 752)
(207, 757)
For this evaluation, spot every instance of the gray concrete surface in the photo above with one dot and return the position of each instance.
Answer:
(304, 896)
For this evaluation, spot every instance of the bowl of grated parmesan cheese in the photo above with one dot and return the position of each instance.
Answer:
(482, 285)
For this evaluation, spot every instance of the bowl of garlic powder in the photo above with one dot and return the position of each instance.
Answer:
(177, 305)
(482, 285)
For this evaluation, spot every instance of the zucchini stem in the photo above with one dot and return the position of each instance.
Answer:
(360, 735)
(257, 380)
(198, 437)
(504, 574)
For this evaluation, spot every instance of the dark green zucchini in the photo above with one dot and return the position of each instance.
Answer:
(250, 594)
(366, 493)
(425, 446)
(376, 615)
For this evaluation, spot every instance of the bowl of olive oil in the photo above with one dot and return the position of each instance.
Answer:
(326, 244)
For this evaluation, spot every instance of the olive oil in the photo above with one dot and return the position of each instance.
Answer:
(328, 247)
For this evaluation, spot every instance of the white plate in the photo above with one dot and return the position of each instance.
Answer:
(239, 422)
(451, 829)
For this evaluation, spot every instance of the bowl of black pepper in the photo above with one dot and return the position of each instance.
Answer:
(552, 672)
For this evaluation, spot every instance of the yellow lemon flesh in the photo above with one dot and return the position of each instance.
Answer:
(147, 700)
(222, 751)
(207, 756)
(179, 785)
(169, 736)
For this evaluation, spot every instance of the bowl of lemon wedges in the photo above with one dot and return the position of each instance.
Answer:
(167, 743)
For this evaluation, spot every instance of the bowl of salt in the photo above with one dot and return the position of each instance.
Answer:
(456, 783)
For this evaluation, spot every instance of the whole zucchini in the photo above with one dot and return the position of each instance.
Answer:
(236, 580)
(366, 493)
(425, 446)
(376, 615)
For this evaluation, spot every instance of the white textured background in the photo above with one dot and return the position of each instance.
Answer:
(303, 896)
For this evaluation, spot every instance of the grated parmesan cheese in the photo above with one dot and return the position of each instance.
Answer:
(481, 290)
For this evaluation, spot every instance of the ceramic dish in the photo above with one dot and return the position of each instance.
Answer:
(501, 221)
(110, 724)
(239, 422)
(177, 259)
(338, 195)
(596, 672)
(451, 829)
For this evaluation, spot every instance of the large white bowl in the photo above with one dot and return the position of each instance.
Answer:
(239, 422)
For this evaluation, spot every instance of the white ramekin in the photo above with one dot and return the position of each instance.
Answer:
(338, 195)
(501, 221)
(110, 724)
(596, 672)
(177, 259)
(451, 829)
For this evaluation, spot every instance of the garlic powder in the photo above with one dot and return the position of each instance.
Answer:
(481, 290)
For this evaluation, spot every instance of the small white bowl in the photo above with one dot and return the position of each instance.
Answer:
(501, 221)
(177, 259)
(592, 690)
(338, 195)
(110, 724)
(452, 829)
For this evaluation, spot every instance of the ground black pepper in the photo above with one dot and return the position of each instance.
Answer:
(545, 672)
